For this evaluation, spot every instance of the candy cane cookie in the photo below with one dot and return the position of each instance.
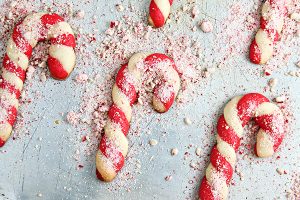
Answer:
(237, 113)
(61, 61)
(271, 24)
(113, 145)
(159, 11)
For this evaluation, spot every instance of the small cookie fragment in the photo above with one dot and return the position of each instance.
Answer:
(193, 165)
(39, 195)
(119, 7)
(273, 83)
(298, 33)
(295, 16)
(153, 142)
(280, 171)
(168, 178)
(174, 151)
(280, 99)
(187, 121)
(80, 14)
(206, 26)
(198, 151)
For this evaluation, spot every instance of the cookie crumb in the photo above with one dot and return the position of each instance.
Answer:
(298, 33)
(119, 7)
(80, 14)
(272, 83)
(198, 151)
(280, 99)
(187, 121)
(193, 165)
(206, 26)
(168, 178)
(280, 171)
(195, 12)
(153, 142)
(295, 16)
(174, 151)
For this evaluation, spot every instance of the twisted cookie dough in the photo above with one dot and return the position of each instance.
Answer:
(61, 61)
(113, 146)
(159, 11)
(237, 113)
(271, 24)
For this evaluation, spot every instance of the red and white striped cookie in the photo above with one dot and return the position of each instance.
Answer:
(271, 24)
(237, 113)
(61, 61)
(113, 146)
(159, 11)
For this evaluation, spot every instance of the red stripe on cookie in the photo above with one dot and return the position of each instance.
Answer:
(274, 126)
(22, 44)
(156, 58)
(227, 134)
(156, 15)
(2, 142)
(64, 39)
(117, 116)
(11, 112)
(125, 86)
(111, 152)
(221, 164)
(166, 95)
(12, 115)
(7, 86)
(51, 19)
(99, 176)
(248, 104)
(11, 67)
(205, 191)
(254, 53)
(56, 69)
